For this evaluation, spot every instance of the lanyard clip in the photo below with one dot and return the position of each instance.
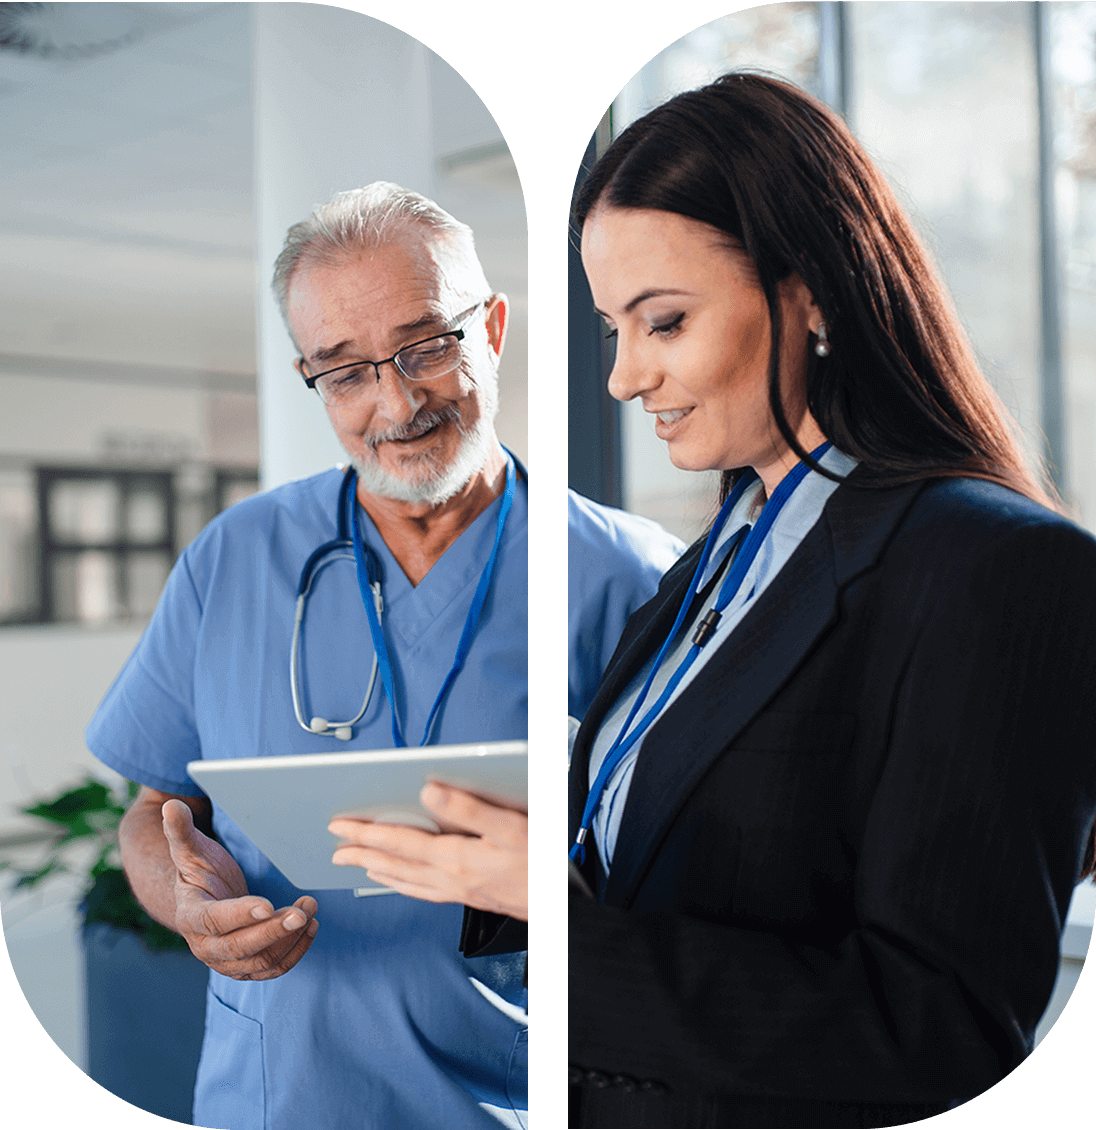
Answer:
(578, 850)
(706, 628)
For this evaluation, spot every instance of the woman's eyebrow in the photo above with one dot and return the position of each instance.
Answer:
(651, 292)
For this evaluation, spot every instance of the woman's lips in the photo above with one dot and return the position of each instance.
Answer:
(669, 421)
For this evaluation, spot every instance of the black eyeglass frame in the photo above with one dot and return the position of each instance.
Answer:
(457, 332)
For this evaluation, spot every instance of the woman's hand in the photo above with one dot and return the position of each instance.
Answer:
(486, 868)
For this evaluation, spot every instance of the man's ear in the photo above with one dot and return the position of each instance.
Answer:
(498, 319)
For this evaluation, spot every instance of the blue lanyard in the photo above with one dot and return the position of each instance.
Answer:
(748, 541)
(471, 621)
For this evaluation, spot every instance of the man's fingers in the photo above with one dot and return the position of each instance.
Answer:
(200, 861)
(286, 961)
(251, 921)
(237, 934)
(186, 849)
(284, 952)
(184, 841)
(217, 939)
(179, 829)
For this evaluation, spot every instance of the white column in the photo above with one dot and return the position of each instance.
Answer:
(343, 100)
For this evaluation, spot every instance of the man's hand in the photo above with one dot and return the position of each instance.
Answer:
(487, 869)
(234, 933)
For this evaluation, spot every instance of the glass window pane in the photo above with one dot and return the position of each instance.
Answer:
(780, 38)
(84, 510)
(1073, 84)
(237, 490)
(146, 515)
(18, 546)
(944, 99)
(84, 587)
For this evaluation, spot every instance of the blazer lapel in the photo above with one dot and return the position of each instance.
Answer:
(759, 657)
(727, 693)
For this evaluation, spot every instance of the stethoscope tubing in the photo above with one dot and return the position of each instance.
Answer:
(369, 581)
(341, 730)
(317, 560)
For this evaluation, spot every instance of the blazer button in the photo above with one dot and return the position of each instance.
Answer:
(626, 1083)
(650, 1087)
(597, 1079)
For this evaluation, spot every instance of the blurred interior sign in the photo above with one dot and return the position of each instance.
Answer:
(146, 447)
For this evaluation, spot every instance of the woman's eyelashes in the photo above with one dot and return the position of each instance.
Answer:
(668, 329)
(662, 329)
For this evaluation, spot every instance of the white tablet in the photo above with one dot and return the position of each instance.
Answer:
(284, 804)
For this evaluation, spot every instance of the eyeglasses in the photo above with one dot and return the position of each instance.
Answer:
(424, 360)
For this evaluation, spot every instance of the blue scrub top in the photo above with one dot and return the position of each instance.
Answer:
(383, 1023)
(614, 563)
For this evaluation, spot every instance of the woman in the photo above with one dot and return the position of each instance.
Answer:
(832, 869)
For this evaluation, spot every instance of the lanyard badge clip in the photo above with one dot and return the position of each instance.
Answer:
(706, 628)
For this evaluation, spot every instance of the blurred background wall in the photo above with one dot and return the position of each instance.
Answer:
(153, 156)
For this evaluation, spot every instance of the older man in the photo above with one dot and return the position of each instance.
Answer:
(326, 1010)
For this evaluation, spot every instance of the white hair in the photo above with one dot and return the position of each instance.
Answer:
(364, 219)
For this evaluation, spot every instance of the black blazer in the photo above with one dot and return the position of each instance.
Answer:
(849, 846)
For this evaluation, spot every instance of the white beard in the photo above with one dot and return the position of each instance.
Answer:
(429, 482)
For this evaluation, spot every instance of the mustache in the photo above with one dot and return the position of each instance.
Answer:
(422, 422)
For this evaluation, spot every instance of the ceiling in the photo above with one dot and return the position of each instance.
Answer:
(127, 234)
(126, 228)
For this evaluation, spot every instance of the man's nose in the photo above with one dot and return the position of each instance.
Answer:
(398, 398)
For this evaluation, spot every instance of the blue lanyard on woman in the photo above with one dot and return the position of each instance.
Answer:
(749, 542)
(380, 646)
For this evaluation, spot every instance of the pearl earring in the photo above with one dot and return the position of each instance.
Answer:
(822, 345)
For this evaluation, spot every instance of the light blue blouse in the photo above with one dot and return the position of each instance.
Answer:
(797, 517)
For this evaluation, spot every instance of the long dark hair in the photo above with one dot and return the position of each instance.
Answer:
(779, 172)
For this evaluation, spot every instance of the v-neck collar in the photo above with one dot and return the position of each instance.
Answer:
(411, 610)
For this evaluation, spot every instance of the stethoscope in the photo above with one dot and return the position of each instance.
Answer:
(320, 558)
(369, 582)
